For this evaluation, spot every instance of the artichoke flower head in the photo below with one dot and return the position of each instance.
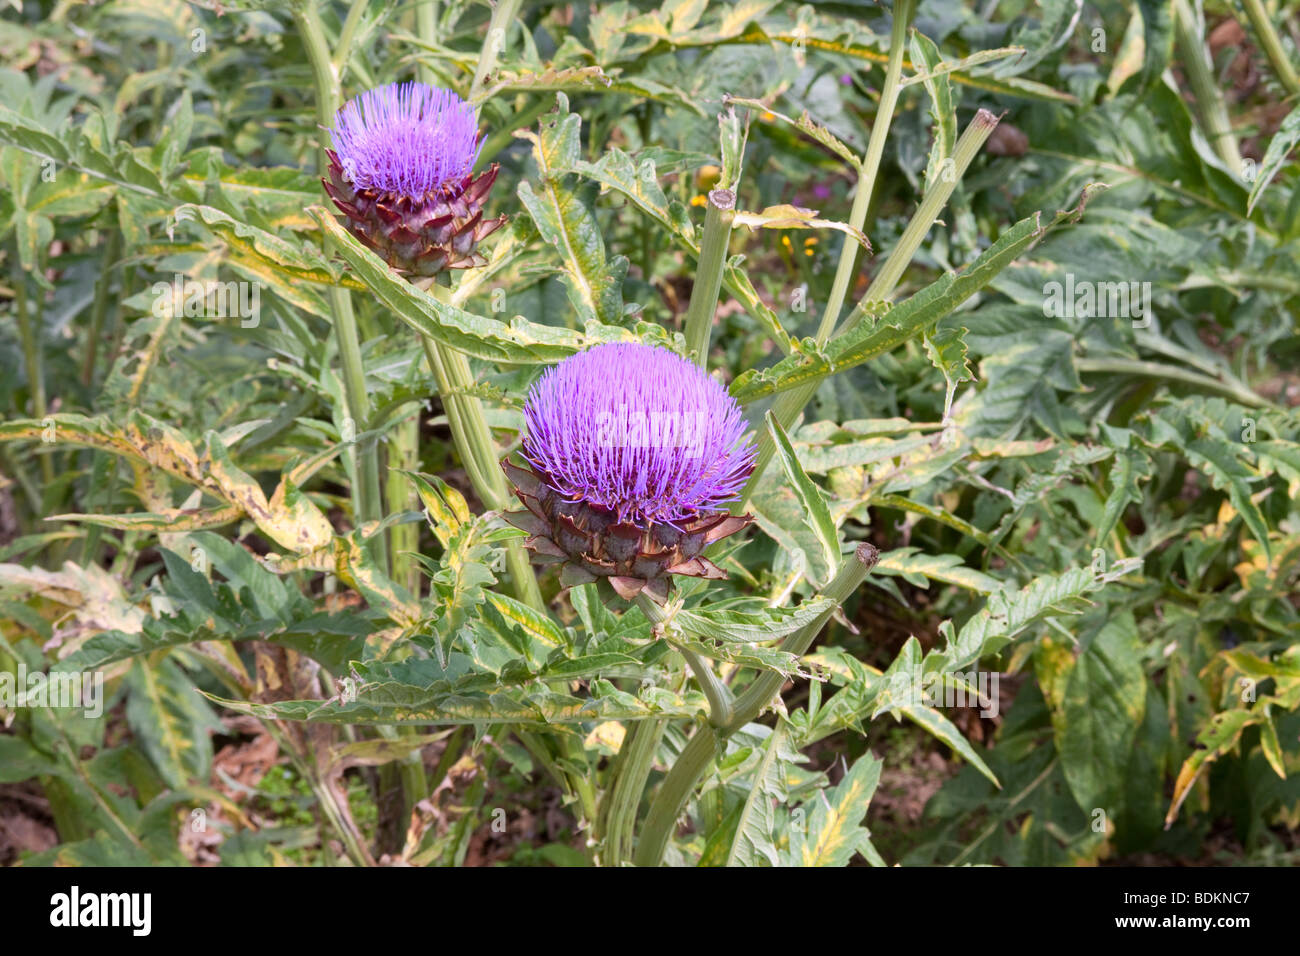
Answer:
(633, 454)
(401, 171)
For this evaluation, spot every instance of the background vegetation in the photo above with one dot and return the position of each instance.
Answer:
(1101, 510)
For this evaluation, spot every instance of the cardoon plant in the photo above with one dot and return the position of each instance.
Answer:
(634, 453)
(401, 172)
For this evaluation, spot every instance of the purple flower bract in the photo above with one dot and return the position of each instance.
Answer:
(639, 431)
(406, 138)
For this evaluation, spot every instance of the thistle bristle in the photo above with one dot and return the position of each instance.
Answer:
(406, 138)
(639, 431)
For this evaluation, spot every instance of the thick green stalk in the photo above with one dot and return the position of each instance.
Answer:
(30, 336)
(29, 332)
(503, 14)
(354, 389)
(344, 48)
(716, 692)
(635, 762)
(470, 432)
(694, 760)
(790, 404)
(886, 280)
(116, 326)
(410, 770)
(365, 493)
(451, 370)
(1197, 65)
(1122, 366)
(1271, 44)
(404, 539)
(426, 27)
(478, 454)
(632, 770)
(708, 274)
(99, 310)
(870, 166)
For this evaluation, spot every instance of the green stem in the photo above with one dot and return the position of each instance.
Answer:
(29, 332)
(450, 754)
(1122, 366)
(673, 795)
(473, 439)
(790, 404)
(721, 702)
(869, 169)
(469, 431)
(633, 769)
(404, 539)
(344, 48)
(365, 493)
(99, 310)
(1197, 65)
(717, 693)
(708, 274)
(117, 326)
(936, 197)
(410, 770)
(694, 760)
(478, 454)
(582, 783)
(354, 390)
(1271, 44)
(426, 27)
(503, 14)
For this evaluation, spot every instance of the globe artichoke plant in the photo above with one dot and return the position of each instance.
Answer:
(401, 171)
(633, 453)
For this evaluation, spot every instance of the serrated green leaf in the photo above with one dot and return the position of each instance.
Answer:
(751, 626)
(520, 342)
(565, 220)
(834, 831)
(1275, 157)
(1102, 710)
(816, 513)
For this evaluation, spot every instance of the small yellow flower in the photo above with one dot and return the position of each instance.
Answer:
(700, 200)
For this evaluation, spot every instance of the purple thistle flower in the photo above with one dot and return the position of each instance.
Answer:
(639, 431)
(635, 452)
(406, 138)
(401, 171)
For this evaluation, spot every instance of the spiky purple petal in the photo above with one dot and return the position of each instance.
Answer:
(406, 138)
(639, 431)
